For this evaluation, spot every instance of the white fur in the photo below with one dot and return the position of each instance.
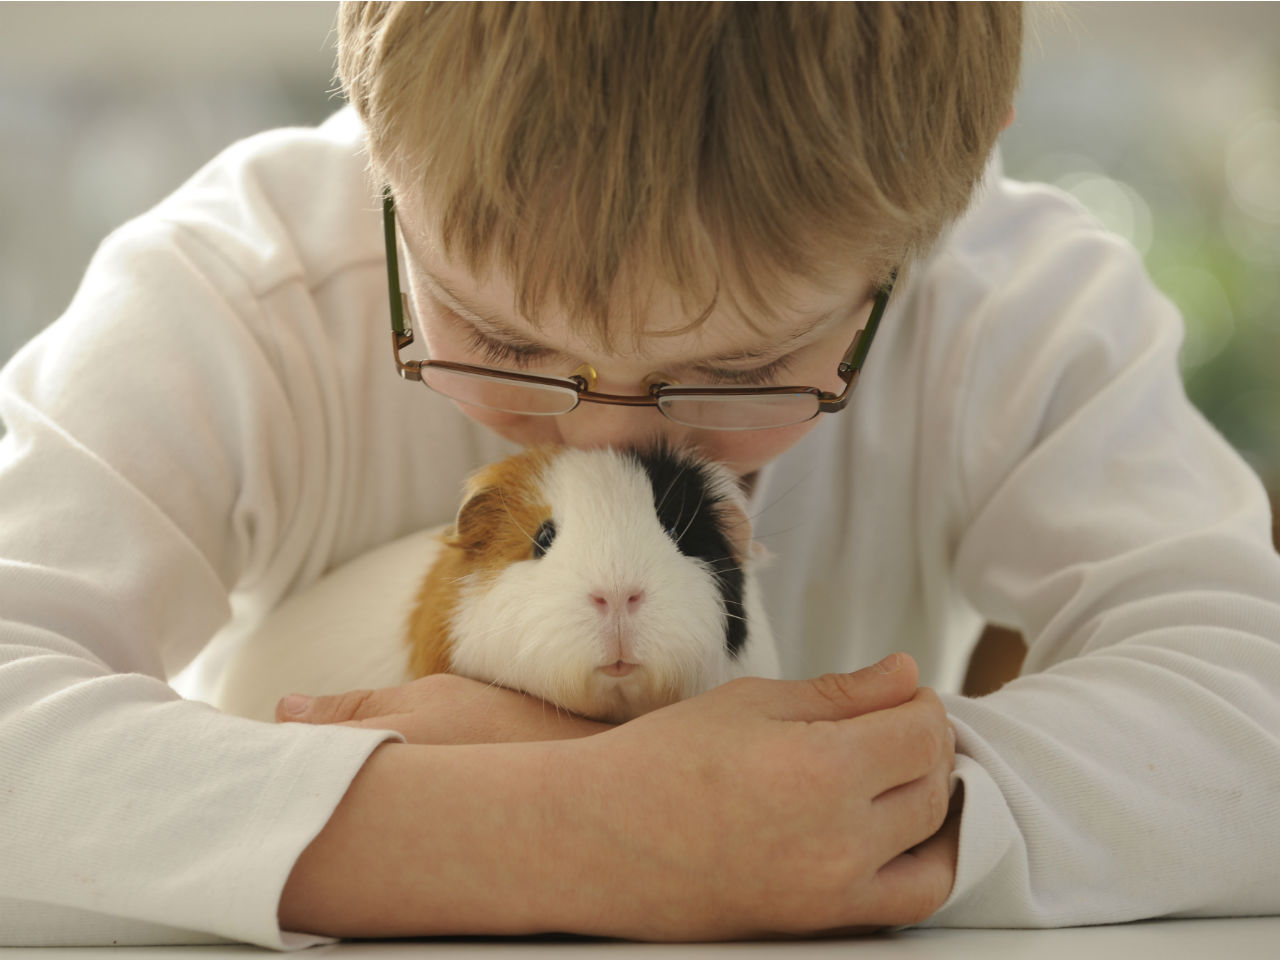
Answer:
(534, 627)
(344, 632)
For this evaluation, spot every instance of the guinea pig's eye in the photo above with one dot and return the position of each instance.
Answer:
(542, 539)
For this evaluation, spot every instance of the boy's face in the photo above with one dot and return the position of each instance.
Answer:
(467, 320)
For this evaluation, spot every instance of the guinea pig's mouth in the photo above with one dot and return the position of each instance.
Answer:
(619, 668)
(620, 691)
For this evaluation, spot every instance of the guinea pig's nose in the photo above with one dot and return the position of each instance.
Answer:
(623, 600)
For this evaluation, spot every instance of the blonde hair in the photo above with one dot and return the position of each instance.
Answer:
(722, 147)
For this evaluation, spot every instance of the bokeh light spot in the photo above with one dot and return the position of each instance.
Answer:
(1119, 206)
(1252, 165)
(1206, 308)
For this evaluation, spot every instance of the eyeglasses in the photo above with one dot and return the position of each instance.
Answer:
(700, 407)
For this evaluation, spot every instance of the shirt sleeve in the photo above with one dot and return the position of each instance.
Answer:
(1133, 769)
(155, 459)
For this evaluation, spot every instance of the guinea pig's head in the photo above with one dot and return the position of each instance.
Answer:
(609, 582)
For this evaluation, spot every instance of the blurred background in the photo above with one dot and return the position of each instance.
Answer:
(1164, 119)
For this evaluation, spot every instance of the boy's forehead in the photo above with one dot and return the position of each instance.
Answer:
(655, 319)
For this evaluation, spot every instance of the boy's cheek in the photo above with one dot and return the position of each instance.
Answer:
(745, 453)
(523, 430)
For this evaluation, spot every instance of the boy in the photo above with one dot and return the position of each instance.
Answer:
(639, 196)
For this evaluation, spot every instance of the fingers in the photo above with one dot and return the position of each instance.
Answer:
(442, 708)
(915, 884)
(338, 708)
(911, 813)
(439, 690)
(901, 745)
(839, 696)
(918, 743)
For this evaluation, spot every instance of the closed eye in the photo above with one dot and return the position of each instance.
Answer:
(498, 354)
(494, 352)
(764, 376)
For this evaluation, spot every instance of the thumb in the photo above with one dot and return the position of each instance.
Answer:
(840, 696)
(337, 708)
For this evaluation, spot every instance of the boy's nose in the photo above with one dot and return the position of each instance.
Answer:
(602, 425)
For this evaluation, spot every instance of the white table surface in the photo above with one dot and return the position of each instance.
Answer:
(1234, 939)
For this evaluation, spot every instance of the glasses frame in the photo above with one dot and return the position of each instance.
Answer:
(402, 336)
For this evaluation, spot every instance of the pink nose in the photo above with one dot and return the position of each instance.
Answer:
(622, 601)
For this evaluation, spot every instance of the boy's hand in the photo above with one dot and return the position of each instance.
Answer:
(444, 708)
(759, 808)
(766, 807)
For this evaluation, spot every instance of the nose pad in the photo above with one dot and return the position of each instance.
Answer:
(587, 374)
(660, 378)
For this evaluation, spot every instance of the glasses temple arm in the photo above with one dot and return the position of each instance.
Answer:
(861, 345)
(393, 268)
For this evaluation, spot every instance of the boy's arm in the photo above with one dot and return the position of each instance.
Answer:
(1132, 770)
(759, 808)
(152, 461)
(193, 439)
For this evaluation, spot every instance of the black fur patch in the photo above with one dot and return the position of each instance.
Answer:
(684, 502)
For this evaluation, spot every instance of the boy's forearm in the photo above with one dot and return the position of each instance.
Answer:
(698, 802)
(435, 840)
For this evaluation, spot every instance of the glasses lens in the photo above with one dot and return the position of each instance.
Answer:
(737, 411)
(497, 393)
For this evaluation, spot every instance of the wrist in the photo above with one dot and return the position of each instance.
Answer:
(440, 840)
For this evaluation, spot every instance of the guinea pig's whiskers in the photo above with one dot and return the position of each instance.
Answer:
(727, 565)
(727, 560)
(780, 497)
(776, 533)
(722, 574)
(503, 497)
(495, 683)
(671, 486)
(693, 516)
(680, 511)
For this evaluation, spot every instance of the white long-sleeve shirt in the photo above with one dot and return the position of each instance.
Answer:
(216, 421)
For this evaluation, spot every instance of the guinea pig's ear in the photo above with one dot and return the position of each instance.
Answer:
(497, 523)
(477, 520)
(502, 505)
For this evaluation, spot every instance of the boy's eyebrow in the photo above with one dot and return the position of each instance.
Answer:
(498, 327)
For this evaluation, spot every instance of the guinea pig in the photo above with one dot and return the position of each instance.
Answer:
(607, 582)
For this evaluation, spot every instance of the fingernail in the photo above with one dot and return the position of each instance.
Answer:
(890, 664)
(295, 704)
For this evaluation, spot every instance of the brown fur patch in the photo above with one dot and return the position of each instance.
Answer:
(502, 509)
